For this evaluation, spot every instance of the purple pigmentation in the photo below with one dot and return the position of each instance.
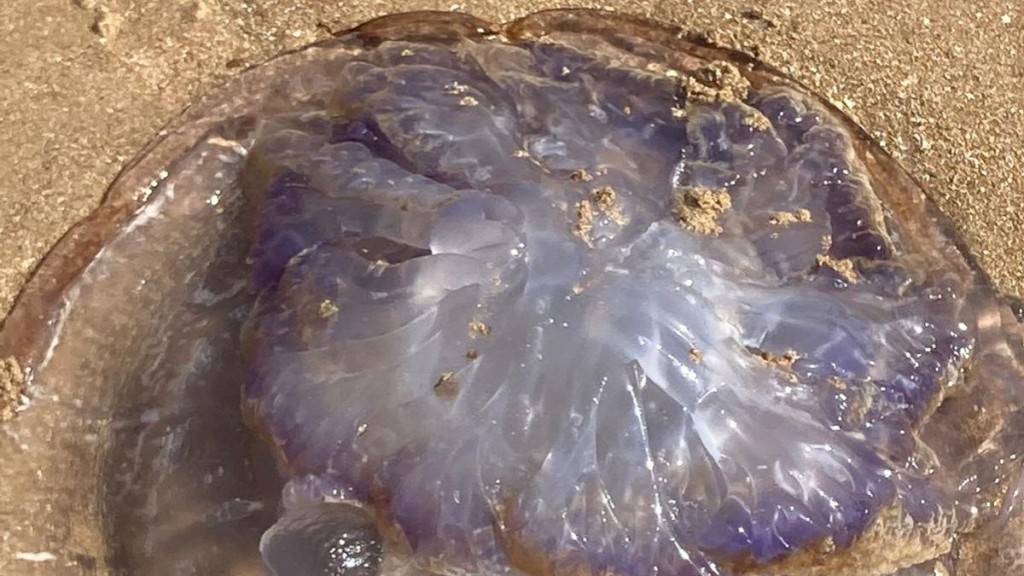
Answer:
(572, 295)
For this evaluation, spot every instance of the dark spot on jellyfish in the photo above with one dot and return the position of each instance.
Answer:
(323, 539)
(423, 298)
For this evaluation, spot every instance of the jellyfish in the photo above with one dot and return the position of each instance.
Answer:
(574, 294)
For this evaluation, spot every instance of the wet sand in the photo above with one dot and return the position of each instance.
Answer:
(84, 84)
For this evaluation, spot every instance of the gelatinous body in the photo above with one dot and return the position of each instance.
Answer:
(570, 295)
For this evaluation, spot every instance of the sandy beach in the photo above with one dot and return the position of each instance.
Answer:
(85, 84)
